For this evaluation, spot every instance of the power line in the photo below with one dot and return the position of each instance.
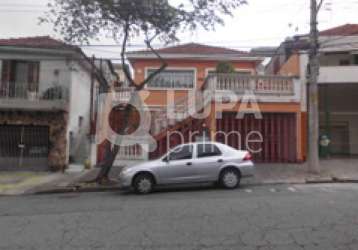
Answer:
(41, 7)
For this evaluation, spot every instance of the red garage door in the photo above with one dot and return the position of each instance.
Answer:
(271, 139)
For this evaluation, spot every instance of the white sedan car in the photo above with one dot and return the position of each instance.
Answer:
(188, 164)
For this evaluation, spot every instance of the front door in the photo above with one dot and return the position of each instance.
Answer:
(178, 166)
(340, 139)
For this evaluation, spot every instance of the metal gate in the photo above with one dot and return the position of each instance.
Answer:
(277, 141)
(24, 147)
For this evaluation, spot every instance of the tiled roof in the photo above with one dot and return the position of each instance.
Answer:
(44, 42)
(195, 48)
(343, 30)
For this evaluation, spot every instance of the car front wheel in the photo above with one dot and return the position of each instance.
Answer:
(230, 178)
(143, 184)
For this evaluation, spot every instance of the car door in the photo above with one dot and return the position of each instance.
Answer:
(178, 166)
(208, 160)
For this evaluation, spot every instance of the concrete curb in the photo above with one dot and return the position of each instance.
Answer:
(77, 189)
(344, 180)
(330, 180)
(319, 180)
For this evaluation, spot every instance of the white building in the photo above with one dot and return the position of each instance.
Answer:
(47, 104)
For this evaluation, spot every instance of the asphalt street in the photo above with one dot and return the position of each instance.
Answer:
(265, 217)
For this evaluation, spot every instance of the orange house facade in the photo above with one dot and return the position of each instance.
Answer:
(244, 109)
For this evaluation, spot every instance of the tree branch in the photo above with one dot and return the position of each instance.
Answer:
(320, 4)
(123, 53)
(156, 72)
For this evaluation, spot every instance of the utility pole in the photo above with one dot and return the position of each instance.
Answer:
(313, 95)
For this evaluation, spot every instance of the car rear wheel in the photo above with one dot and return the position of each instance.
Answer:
(230, 178)
(143, 184)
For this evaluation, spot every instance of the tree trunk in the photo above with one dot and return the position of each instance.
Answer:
(313, 111)
(111, 152)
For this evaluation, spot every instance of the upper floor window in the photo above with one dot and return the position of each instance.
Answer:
(20, 71)
(175, 79)
(19, 77)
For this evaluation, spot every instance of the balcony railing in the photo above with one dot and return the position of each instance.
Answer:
(259, 85)
(135, 152)
(20, 95)
(12, 90)
(123, 95)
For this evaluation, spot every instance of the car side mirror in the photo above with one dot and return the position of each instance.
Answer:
(166, 159)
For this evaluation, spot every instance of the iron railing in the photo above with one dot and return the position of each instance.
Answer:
(27, 91)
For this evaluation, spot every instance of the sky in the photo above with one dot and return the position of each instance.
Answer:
(259, 23)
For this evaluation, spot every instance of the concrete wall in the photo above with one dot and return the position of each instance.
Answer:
(48, 77)
(303, 74)
(80, 102)
(334, 59)
(338, 74)
(80, 98)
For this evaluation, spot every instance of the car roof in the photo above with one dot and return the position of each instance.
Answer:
(203, 142)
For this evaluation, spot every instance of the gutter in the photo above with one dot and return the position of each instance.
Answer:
(216, 57)
(30, 50)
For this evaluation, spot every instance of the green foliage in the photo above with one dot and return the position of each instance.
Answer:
(85, 20)
(225, 67)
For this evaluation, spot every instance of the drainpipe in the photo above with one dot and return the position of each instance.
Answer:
(92, 120)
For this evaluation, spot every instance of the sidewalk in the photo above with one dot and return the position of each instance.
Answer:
(17, 183)
(72, 182)
(335, 170)
(20, 182)
(332, 170)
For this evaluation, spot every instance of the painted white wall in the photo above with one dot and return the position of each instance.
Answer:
(333, 59)
(303, 73)
(80, 97)
(79, 105)
(48, 78)
(338, 74)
